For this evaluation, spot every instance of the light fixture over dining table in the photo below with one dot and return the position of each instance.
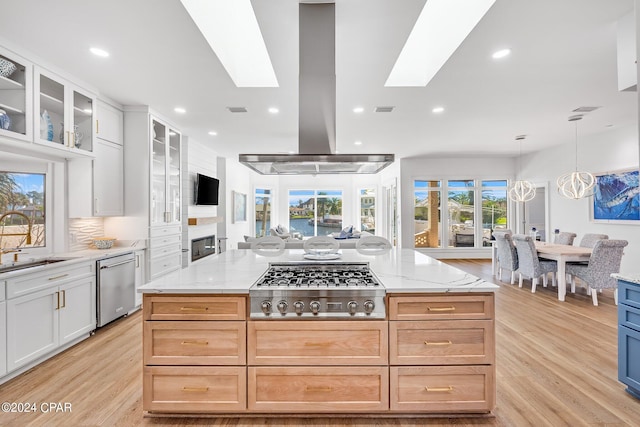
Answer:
(578, 184)
(521, 190)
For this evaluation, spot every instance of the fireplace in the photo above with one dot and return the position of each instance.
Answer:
(202, 247)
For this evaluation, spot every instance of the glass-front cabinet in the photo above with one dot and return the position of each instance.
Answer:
(65, 114)
(15, 96)
(165, 174)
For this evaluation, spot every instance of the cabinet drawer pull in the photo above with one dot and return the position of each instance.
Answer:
(195, 342)
(58, 301)
(441, 308)
(59, 277)
(64, 299)
(196, 309)
(321, 389)
(317, 344)
(439, 389)
(447, 342)
(196, 389)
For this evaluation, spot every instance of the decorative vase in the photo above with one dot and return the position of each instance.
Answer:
(46, 126)
(5, 120)
(77, 136)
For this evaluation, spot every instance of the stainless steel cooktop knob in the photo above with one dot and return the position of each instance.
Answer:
(266, 307)
(315, 306)
(282, 306)
(298, 306)
(369, 306)
(352, 306)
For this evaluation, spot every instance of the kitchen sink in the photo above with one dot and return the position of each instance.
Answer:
(30, 264)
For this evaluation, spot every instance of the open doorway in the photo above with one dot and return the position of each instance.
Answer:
(536, 213)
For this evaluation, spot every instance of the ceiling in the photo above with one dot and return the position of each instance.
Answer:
(563, 57)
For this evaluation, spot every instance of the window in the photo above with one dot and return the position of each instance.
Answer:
(460, 205)
(427, 214)
(368, 210)
(22, 209)
(494, 208)
(315, 212)
(262, 212)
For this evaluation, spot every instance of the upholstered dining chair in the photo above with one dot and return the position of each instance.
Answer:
(529, 265)
(605, 259)
(506, 253)
(589, 240)
(564, 238)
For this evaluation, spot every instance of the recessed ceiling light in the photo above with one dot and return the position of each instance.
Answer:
(437, 110)
(441, 27)
(232, 31)
(213, 133)
(274, 110)
(501, 53)
(358, 110)
(99, 52)
(358, 143)
(180, 110)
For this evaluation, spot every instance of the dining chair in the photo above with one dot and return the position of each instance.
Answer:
(493, 237)
(605, 260)
(564, 238)
(589, 240)
(529, 265)
(506, 253)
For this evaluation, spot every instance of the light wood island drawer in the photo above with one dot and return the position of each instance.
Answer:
(194, 389)
(318, 389)
(195, 343)
(453, 342)
(317, 342)
(442, 389)
(173, 307)
(443, 307)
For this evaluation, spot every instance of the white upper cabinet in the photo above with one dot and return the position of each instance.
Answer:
(65, 112)
(109, 123)
(165, 174)
(15, 96)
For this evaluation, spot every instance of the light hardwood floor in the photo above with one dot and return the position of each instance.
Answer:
(556, 366)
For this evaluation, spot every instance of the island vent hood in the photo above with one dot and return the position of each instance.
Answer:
(317, 108)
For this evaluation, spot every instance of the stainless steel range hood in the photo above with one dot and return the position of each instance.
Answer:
(317, 108)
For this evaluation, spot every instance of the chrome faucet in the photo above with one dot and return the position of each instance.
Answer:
(27, 234)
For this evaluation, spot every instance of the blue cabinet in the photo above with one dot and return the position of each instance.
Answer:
(629, 336)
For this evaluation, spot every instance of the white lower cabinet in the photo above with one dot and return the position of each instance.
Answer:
(3, 338)
(62, 309)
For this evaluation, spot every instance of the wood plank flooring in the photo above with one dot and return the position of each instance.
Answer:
(556, 366)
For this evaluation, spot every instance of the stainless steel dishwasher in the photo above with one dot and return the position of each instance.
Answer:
(116, 287)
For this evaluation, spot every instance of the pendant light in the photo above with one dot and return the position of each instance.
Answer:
(520, 190)
(578, 184)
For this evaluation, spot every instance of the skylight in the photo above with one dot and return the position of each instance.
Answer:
(441, 27)
(231, 29)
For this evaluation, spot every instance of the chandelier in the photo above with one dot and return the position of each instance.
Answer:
(521, 190)
(578, 184)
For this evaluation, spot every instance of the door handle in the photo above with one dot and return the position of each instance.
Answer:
(116, 264)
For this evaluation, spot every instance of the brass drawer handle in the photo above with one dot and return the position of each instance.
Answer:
(197, 309)
(447, 342)
(441, 308)
(59, 277)
(196, 389)
(323, 389)
(317, 344)
(439, 389)
(195, 342)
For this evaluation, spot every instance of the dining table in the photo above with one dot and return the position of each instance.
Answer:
(562, 254)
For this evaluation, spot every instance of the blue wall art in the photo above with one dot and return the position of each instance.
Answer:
(616, 197)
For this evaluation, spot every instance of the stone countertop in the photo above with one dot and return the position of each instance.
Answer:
(631, 278)
(235, 271)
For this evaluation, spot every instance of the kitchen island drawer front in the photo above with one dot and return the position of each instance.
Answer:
(317, 389)
(52, 276)
(456, 342)
(629, 316)
(318, 343)
(193, 307)
(194, 389)
(445, 307)
(195, 343)
(442, 389)
(629, 294)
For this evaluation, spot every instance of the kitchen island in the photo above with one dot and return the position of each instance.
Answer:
(433, 352)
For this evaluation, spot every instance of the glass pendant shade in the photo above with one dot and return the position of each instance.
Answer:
(522, 191)
(578, 184)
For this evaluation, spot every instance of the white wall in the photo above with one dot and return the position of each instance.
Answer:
(238, 178)
(616, 148)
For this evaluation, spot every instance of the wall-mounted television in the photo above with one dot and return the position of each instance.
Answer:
(207, 190)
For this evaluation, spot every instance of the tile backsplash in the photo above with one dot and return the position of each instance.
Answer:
(82, 231)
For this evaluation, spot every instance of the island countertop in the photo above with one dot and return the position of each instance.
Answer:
(235, 271)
